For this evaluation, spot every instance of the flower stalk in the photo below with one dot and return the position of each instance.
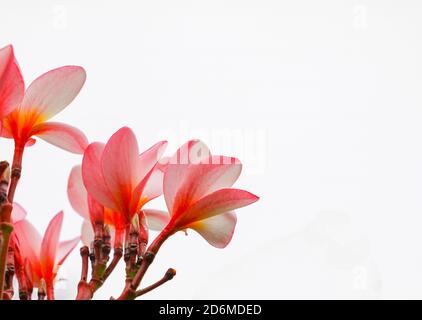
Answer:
(129, 292)
(170, 273)
(6, 229)
(16, 171)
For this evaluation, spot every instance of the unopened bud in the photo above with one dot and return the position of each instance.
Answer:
(170, 273)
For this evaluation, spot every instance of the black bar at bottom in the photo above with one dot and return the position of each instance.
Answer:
(202, 309)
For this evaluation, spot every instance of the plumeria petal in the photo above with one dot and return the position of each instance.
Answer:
(202, 179)
(154, 185)
(49, 246)
(119, 163)
(217, 230)
(156, 219)
(138, 199)
(11, 82)
(148, 160)
(93, 177)
(18, 213)
(62, 135)
(87, 233)
(29, 242)
(218, 202)
(76, 192)
(65, 248)
(30, 275)
(193, 151)
(162, 163)
(96, 211)
(30, 142)
(53, 91)
(151, 184)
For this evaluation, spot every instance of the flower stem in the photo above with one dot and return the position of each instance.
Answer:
(167, 277)
(16, 172)
(50, 292)
(10, 271)
(129, 293)
(118, 253)
(86, 290)
(6, 229)
(22, 281)
(84, 256)
(41, 294)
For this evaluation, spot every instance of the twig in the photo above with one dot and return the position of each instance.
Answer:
(6, 229)
(10, 272)
(167, 277)
(16, 172)
(118, 253)
(129, 292)
(84, 255)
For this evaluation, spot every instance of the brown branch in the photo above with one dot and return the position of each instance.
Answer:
(118, 253)
(41, 294)
(10, 273)
(129, 292)
(84, 251)
(167, 277)
(6, 229)
(16, 172)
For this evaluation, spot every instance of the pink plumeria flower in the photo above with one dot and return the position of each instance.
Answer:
(44, 98)
(19, 214)
(87, 207)
(11, 82)
(45, 255)
(120, 178)
(198, 193)
(92, 212)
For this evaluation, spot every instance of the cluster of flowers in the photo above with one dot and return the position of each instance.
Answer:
(109, 190)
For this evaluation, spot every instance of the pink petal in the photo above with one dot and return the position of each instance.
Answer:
(119, 165)
(156, 219)
(148, 160)
(30, 142)
(62, 135)
(32, 277)
(218, 202)
(138, 199)
(87, 233)
(150, 186)
(11, 82)
(53, 91)
(29, 242)
(162, 163)
(202, 179)
(154, 185)
(93, 177)
(65, 248)
(192, 151)
(217, 230)
(18, 213)
(50, 245)
(76, 192)
(96, 211)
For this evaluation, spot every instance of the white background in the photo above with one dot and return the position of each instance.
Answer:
(321, 100)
